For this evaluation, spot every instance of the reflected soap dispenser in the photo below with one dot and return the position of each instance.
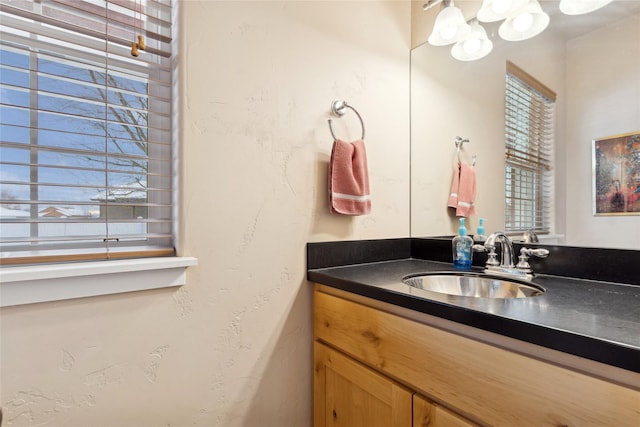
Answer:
(480, 236)
(462, 248)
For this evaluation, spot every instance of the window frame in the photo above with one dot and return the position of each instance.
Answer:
(20, 285)
(111, 249)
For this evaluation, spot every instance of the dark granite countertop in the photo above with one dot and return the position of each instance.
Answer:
(592, 319)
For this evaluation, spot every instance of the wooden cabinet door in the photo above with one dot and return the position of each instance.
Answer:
(348, 394)
(429, 414)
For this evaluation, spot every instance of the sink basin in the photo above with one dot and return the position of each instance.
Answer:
(473, 285)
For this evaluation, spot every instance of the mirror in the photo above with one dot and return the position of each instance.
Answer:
(591, 61)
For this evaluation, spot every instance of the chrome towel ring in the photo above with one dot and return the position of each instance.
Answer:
(459, 141)
(338, 108)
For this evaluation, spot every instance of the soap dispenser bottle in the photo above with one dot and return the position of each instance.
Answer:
(462, 248)
(480, 236)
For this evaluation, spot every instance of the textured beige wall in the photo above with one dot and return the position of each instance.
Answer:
(233, 346)
(604, 94)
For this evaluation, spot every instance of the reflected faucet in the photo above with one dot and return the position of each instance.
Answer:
(530, 236)
(506, 265)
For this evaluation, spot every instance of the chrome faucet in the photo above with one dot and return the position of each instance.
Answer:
(530, 236)
(506, 265)
(507, 250)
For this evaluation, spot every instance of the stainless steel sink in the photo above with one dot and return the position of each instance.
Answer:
(473, 285)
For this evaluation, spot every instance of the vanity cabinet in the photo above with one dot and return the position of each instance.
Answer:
(378, 366)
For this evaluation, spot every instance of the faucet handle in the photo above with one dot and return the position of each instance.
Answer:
(540, 253)
(492, 257)
(525, 253)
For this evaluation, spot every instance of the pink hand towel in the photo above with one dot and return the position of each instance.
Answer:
(455, 184)
(349, 179)
(466, 191)
(463, 190)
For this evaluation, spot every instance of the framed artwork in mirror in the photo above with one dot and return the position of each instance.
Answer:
(616, 175)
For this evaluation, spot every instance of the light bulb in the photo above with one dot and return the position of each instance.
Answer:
(474, 46)
(450, 26)
(527, 23)
(448, 32)
(523, 22)
(471, 45)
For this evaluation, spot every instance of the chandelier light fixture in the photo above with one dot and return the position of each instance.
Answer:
(523, 19)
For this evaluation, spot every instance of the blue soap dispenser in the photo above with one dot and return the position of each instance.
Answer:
(480, 236)
(462, 248)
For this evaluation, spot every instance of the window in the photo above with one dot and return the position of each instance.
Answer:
(528, 153)
(85, 130)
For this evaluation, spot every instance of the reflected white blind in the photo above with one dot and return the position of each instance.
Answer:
(85, 130)
(529, 122)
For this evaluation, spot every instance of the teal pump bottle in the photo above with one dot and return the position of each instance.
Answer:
(462, 248)
(480, 236)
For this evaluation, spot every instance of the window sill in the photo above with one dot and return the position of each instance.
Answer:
(34, 284)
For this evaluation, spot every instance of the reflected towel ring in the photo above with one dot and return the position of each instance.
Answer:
(459, 141)
(339, 108)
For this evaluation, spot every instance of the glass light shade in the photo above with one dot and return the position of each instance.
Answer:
(450, 26)
(580, 7)
(475, 46)
(497, 10)
(526, 23)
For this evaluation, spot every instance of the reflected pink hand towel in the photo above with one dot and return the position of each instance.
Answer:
(349, 179)
(466, 191)
(455, 184)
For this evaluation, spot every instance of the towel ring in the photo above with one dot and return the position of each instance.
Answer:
(459, 141)
(339, 108)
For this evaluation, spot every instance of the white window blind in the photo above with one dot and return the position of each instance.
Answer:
(85, 130)
(529, 122)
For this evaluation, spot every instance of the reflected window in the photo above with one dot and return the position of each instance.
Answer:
(529, 119)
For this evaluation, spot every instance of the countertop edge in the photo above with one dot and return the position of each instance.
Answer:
(592, 348)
